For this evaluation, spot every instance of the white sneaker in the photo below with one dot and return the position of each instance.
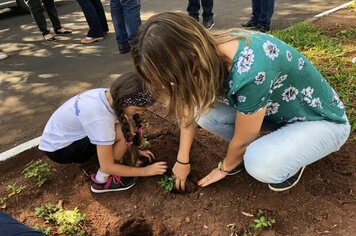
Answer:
(3, 55)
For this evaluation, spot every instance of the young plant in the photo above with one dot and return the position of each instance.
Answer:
(2, 202)
(262, 221)
(66, 222)
(14, 189)
(39, 170)
(167, 182)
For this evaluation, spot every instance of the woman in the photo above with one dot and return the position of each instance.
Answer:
(234, 85)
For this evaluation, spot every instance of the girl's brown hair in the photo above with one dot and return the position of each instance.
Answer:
(179, 61)
(129, 86)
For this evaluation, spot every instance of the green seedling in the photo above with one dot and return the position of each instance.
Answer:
(2, 202)
(14, 189)
(262, 221)
(167, 182)
(39, 170)
(351, 194)
(66, 222)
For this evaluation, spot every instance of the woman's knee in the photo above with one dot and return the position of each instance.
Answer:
(261, 164)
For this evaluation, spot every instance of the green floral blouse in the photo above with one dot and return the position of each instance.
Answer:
(267, 72)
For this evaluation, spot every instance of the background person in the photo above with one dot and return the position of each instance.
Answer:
(95, 15)
(258, 79)
(126, 18)
(97, 122)
(193, 9)
(37, 8)
(262, 11)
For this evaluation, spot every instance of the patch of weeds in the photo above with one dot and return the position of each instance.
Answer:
(347, 34)
(67, 222)
(13, 189)
(330, 56)
(351, 194)
(167, 182)
(261, 222)
(39, 170)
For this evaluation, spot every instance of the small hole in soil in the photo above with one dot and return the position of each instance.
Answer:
(136, 227)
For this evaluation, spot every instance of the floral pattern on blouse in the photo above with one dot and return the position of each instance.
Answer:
(301, 63)
(260, 77)
(245, 61)
(278, 83)
(272, 108)
(290, 94)
(271, 50)
(289, 55)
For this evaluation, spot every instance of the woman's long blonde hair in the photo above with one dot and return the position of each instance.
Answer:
(179, 61)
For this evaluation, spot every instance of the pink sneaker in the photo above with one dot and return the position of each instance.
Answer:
(114, 183)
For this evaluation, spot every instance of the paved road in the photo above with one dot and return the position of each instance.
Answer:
(39, 76)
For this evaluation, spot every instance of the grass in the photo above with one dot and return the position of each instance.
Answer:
(331, 56)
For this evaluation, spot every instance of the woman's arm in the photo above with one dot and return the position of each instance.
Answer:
(181, 171)
(247, 128)
(108, 165)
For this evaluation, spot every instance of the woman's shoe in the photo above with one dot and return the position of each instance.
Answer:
(62, 31)
(49, 38)
(88, 40)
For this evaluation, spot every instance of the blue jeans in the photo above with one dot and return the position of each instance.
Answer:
(11, 227)
(194, 7)
(95, 15)
(126, 18)
(262, 11)
(275, 157)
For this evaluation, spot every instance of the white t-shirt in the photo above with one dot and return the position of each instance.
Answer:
(87, 114)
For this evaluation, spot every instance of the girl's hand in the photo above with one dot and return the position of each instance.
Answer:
(158, 168)
(180, 173)
(214, 176)
(147, 153)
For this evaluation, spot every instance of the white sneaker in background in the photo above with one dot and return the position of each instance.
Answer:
(3, 55)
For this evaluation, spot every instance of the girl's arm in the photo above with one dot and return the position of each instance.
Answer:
(247, 128)
(181, 171)
(108, 165)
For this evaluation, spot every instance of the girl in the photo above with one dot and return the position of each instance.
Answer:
(97, 122)
(231, 84)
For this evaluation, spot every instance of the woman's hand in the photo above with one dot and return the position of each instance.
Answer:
(147, 153)
(158, 168)
(214, 176)
(180, 172)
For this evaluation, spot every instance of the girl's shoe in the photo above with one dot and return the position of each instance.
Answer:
(88, 40)
(62, 31)
(114, 183)
(49, 38)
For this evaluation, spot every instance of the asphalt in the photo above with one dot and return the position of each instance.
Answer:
(39, 76)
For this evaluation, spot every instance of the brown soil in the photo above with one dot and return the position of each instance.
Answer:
(322, 203)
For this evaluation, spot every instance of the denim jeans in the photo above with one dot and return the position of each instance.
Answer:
(275, 157)
(126, 18)
(194, 7)
(95, 15)
(37, 11)
(262, 11)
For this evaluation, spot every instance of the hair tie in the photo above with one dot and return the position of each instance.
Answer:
(129, 144)
(139, 130)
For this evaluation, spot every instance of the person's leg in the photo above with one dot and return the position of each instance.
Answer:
(52, 13)
(267, 9)
(95, 28)
(256, 10)
(255, 15)
(207, 6)
(10, 226)
(101, 14)
(37, 11)
(118, 21)
(193, 8)
(78, 152)
(278, 156)
(132, 18)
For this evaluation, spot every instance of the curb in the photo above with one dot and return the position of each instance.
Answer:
(34, 142)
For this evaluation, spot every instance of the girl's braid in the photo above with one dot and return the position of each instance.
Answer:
(137, 139)
(126, 131)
